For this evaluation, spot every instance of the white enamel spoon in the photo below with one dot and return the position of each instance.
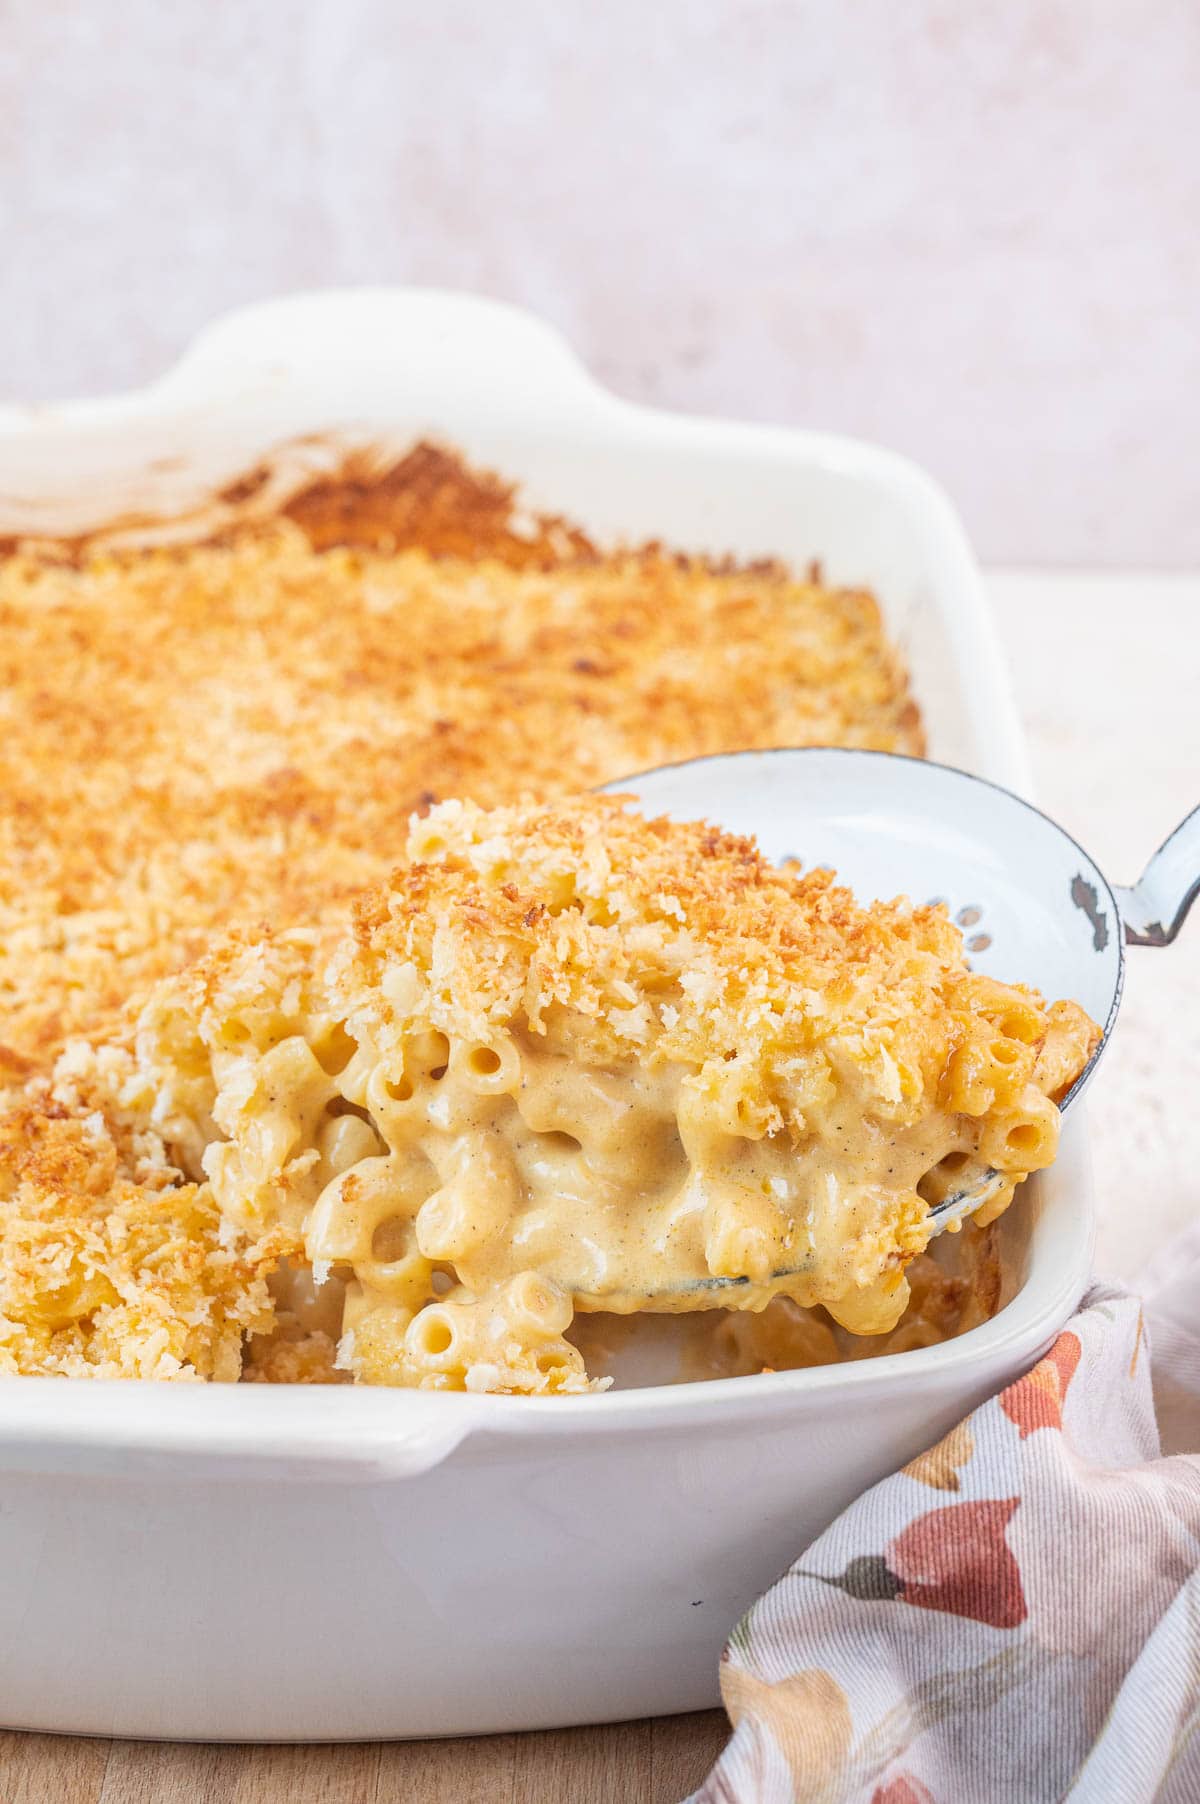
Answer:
(1033, 906)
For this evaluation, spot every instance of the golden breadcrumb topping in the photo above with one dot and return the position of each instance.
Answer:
(110, 1266)
(663, 939)
(239, 731)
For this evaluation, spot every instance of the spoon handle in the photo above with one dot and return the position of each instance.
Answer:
(1156, 907)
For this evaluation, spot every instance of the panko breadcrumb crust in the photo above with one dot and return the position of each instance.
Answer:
(667, 940)
(238, 731)
(663, 940)
(109, 1266)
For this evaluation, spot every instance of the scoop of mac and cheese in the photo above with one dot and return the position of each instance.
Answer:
(570, 1060)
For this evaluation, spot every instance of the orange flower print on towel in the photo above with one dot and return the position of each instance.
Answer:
(953, 1559)
(1036, 1400)
(902, 1790)
(956, 1559)
(940, 1466)
(807, 1716)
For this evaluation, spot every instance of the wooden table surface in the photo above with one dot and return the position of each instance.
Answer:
(1105, 672)
(623, 1763)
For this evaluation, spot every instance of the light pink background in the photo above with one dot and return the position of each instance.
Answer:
(969, 230)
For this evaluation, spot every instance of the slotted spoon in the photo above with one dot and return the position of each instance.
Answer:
(1033, 906)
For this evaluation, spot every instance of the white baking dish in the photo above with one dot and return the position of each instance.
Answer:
(259, 1563)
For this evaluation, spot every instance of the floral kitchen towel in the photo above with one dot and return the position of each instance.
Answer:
(1014, 1617)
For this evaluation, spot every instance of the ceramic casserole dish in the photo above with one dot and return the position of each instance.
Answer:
(293, 1563)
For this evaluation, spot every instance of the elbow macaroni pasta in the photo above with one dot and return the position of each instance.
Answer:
(568, 1061)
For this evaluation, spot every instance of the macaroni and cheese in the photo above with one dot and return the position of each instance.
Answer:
(426, 1150)
(568, 1060)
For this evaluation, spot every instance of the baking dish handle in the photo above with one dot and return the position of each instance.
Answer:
(1157, 905)
(409, 1455)
(131, 1431)
(463, 340)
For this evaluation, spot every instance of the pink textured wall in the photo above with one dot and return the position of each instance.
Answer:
(969, 230)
